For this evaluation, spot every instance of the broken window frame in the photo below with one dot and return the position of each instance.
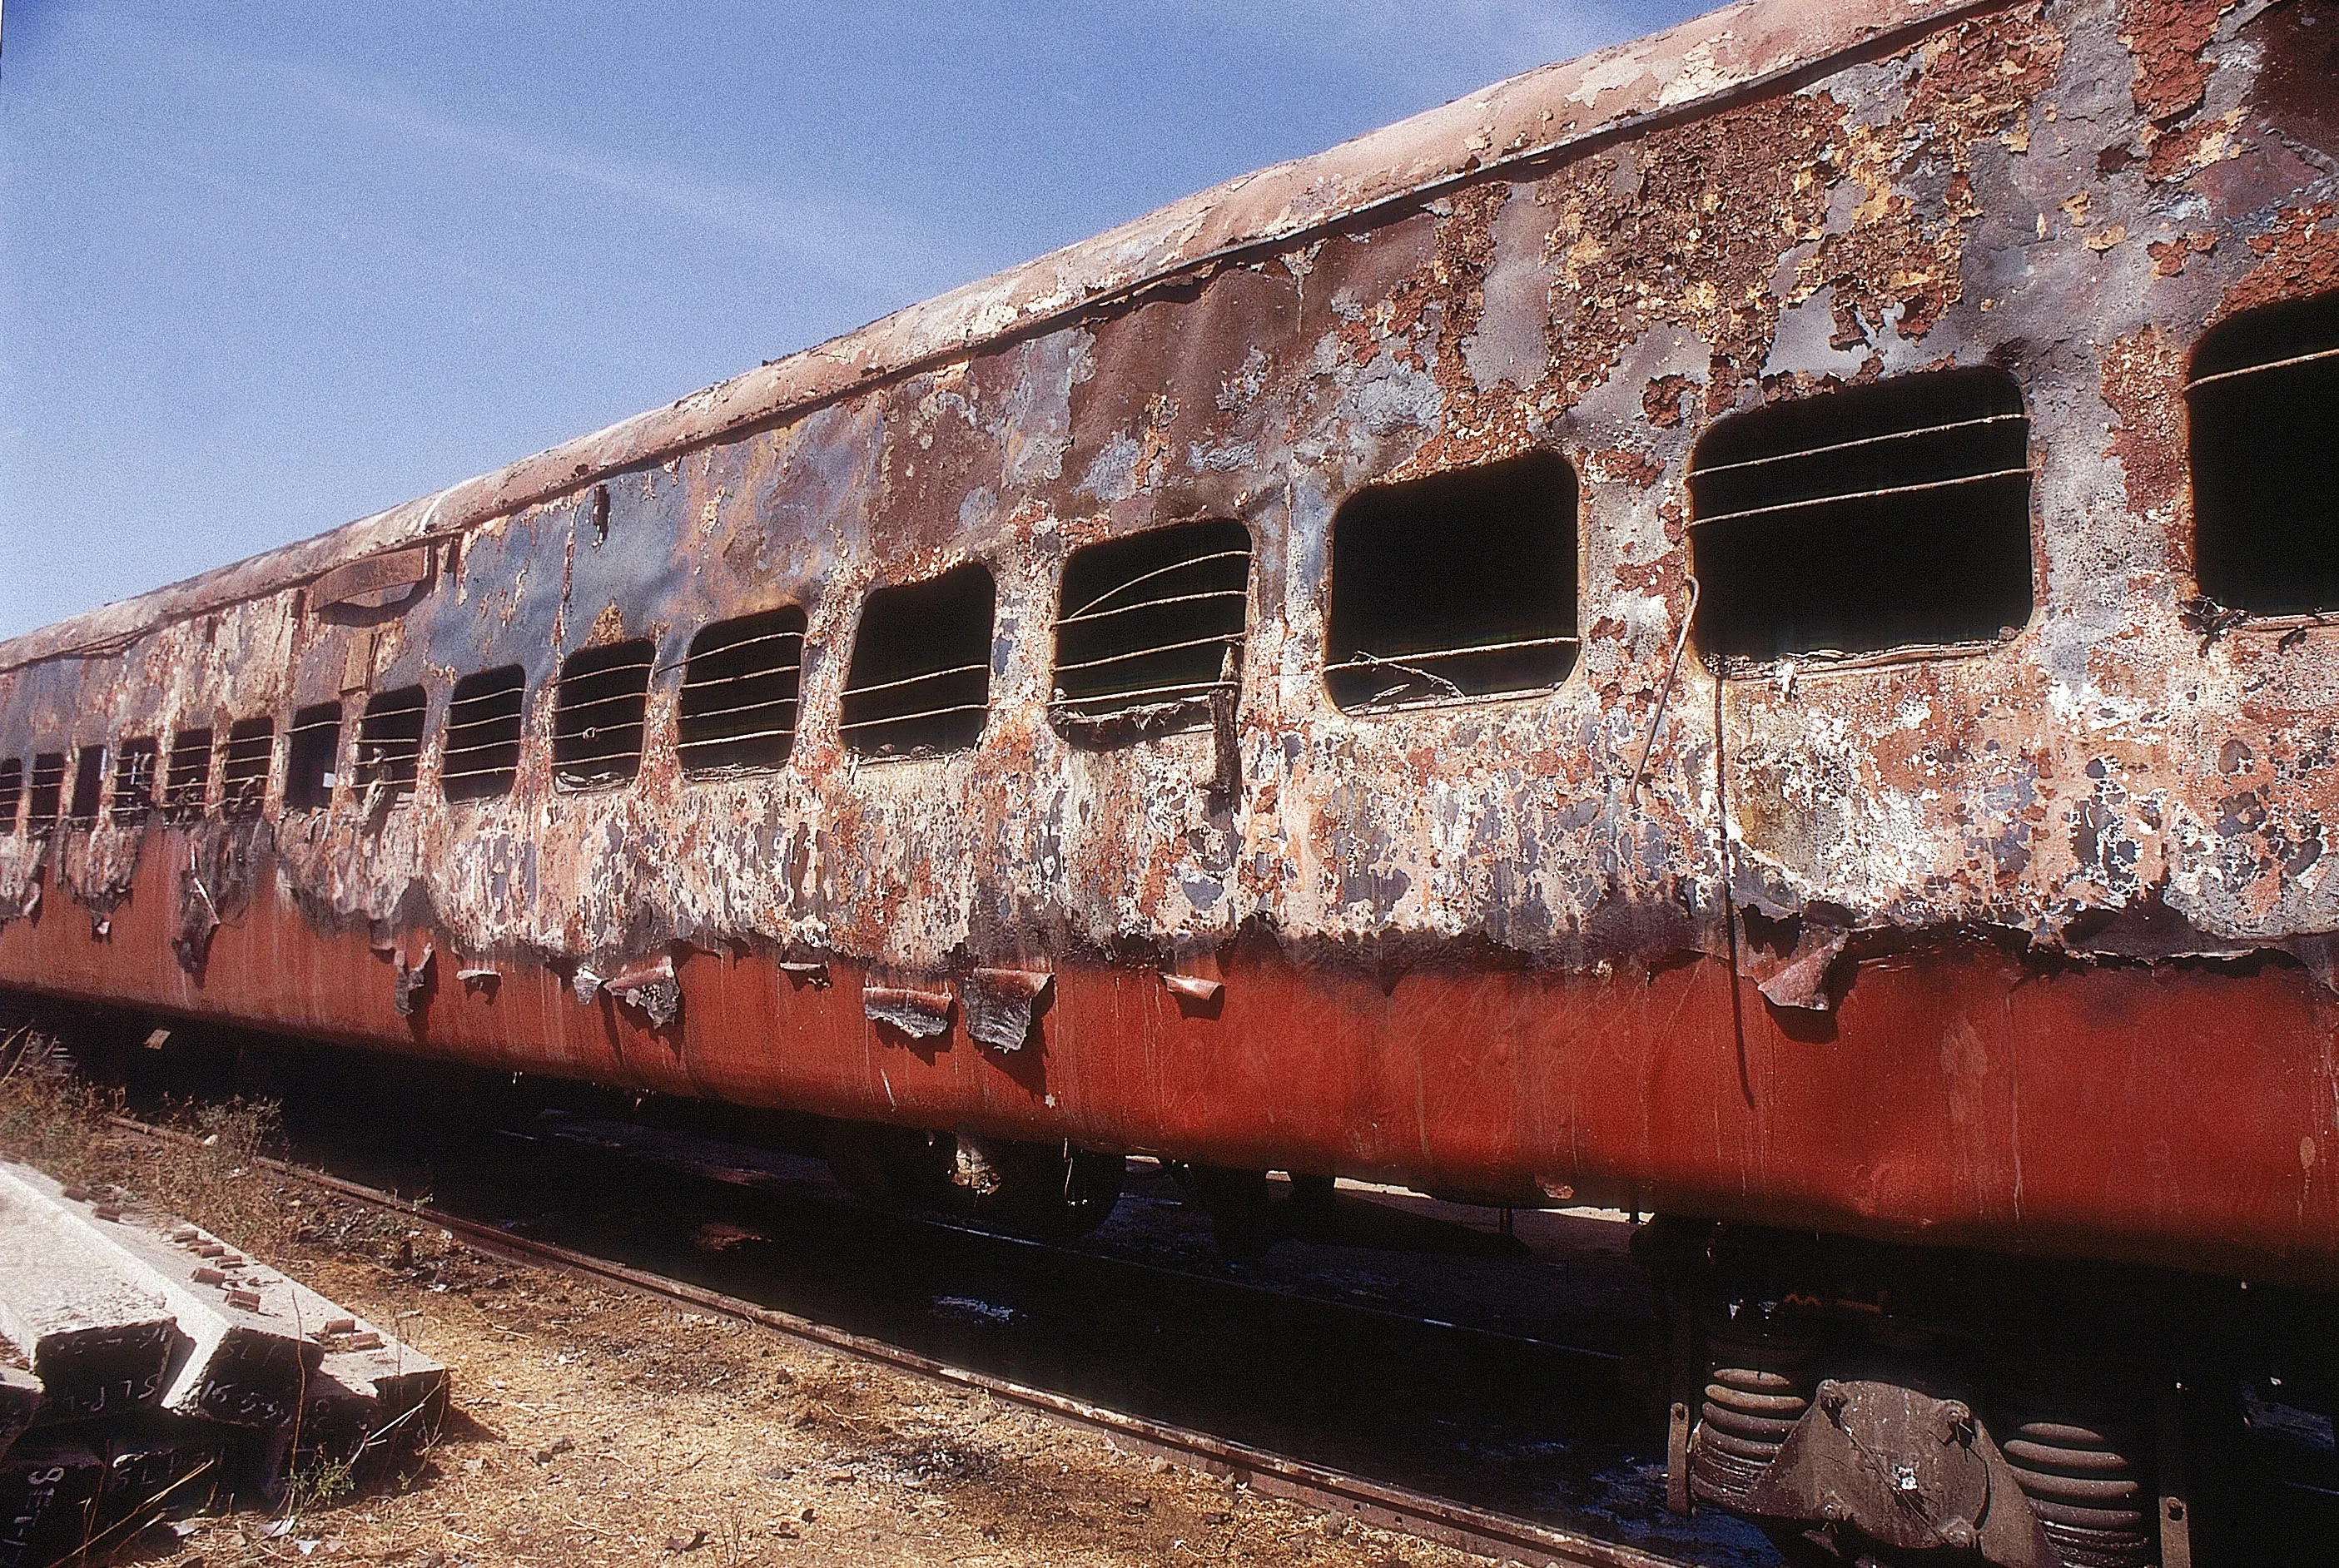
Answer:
(2004, 413)
(47, 777)
(2266, 378)
(1150, 704)
(387, 753)
(762, 714)
(314, 739)
(187, 775)
(249, 759)
(89, 776)
(1375, 519)
(135, 763)
(12, 793)
(473, 730)
(621, 709)
(861, 730)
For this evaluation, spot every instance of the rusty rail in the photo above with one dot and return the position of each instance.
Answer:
(1431, 1518)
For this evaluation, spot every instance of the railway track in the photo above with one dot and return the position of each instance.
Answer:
(1331, 1490)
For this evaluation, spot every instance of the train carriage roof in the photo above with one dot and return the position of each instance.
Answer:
(1545, 114)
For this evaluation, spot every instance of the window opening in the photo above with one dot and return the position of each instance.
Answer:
(1891, 516)
(134, 780)
(597, 722)
(89, 783)
(920, 674)
(390, 740)
(2263, 399)
(739, 688)
(316, 748)
(483, 724)
(1461, 584)
(48, 789)
(243, 779)
(1151, 625)
(189, 777)
(12, 792)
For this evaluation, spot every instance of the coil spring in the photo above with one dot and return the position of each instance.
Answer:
(2078, 1467)
(1759, 1383)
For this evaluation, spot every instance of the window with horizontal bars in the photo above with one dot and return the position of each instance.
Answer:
(390, 740)
(48, 789)
(597, 719)
(483, 725)
(134, 779)
(919, 680)
(1892, 515)
(1150, 626)
(243, 776)
(739, 684)
(188, 780)
(2263, 394)
(315, 750)
(12, 792)
(89, 785)
(1461, 584)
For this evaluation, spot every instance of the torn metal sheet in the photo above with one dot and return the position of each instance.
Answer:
(920, 1014)
(1003, 1005)
(653, 988)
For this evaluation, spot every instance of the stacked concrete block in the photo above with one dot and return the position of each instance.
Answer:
(146, 1365)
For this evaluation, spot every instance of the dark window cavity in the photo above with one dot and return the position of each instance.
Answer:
(1891, 515)
(189, 777)
(243, 779)
(1151, 626)
(597, 723)
(920, 674)
(134, 779)
(2263, 396)
(48, 789)
(739, 693)
(316, 747)
(12, 792)
(89, 783)
(483, 722)
(1461, 584)
(390, 741)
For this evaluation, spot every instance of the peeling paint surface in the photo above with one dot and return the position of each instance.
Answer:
(1448, 945)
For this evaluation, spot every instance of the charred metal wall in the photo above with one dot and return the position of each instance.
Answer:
(1766, 203)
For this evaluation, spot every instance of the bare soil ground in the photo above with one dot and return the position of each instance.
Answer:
(596, 1427)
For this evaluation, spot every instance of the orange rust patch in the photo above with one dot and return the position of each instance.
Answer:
(2301, 258)
(2169, 256)
(2142, 376)
(2165, 38)
(1625, 463)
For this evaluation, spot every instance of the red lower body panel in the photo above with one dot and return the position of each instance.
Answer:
(2182, 1116)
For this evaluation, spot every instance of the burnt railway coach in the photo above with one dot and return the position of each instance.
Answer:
(1737, 627)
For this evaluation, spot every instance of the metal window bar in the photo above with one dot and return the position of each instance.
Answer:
(188, 778)
(636, 696)
(389, 739)
(1383, 661)
(1152, 604)
(250, 752)
(48, 788)
(770, 672)
(1152, 652)
(1860, 496)
(88, 784)
(762, 707)
(695, 652)
(134, 781)
(12, 792)
(913, 680)
(511, 719)
(1120, 696)
(2293, 359)
(908, 719)
(732, 740)
(1192, 561)
(1703, 470)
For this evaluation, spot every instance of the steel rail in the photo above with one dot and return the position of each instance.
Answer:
(1431, 1518)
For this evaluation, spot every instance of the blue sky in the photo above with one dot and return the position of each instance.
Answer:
(264, 269)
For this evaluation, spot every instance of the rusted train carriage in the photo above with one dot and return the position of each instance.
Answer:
(1735, 627)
